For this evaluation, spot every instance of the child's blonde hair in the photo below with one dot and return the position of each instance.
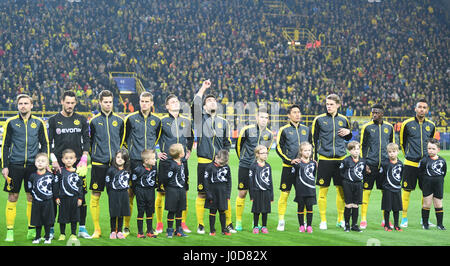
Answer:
(258, 149)
(352, 144)
(146, 154)
(175, 150)
(392, 146)
(42, 154)
(301, 147)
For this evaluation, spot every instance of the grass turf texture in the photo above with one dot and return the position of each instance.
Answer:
(414, 235)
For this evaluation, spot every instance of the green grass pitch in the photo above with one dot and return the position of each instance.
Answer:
(413, 235)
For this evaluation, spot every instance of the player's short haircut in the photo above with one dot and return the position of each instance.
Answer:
(23, 95)
(258, 149)
(104, 93)
(262, 109)
(352, 144)
(223, 155)
(422, 101)
(334, 97)
(146, 94)
(68, 94)
(378, 106)
(435, 142)
(292, 107)
(42, 154)
(209, 96)
(170, 96)
(175, 150)
(67, 151)
(147, 154)
(392, 147)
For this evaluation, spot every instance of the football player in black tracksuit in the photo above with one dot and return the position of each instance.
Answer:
(414, 134)
(213, 135)
(288, 141)
(141, 132)
(375, 136)
(106, 133)
(175, 128)
(249, 138)
(330, 131)
(22, 136)
(70, 130)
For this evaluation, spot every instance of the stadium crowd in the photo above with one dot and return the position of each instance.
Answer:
(392, 52)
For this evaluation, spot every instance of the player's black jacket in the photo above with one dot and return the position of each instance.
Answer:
(352, 171)
(260, 179)
(21, 140)
(175, 130)
(144, 177)
(305, 173)
(374, 139)
(413, 138)
(141, 133)
(430, 168)
(213, 133)
(288, 140)
(250, 137)
(172, 175)
(41, 186)
(392, 175)
(68, 133)
(216, 174)
(68, 184)
(106, 135)
(117, 179)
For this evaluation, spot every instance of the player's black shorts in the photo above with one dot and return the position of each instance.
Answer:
(327, 170)
(352, 192)
(201, 168)
(287, 178)
(410, 176)
(375, 177)
(17, 173)
(433, 185)
(243, 179)
(98, 174)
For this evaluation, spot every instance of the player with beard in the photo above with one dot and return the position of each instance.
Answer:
(213, 133)
(70, 130)
(22, 135)
(414, 134)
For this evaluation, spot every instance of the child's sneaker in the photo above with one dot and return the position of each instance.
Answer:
(238, 225)
(390, 224)
(309, 229)
(169, 232)
(120, 235)
(159, 228)
(264, 230)
(323, 225)
(36, 241)
(230, 228)
(73, 237)
(212, 233)
(113, 235)
(387, 229)
(355, 228)
(201, 229)
(48, 241)
(126, 231)
(151, 235)
(256, 230)
(440, 227)
(140, 235)
(180, 232)
(82, 232)
(226, 233)
(398, 229)
(301, 229)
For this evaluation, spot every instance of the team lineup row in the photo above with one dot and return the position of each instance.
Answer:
(107, 133)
